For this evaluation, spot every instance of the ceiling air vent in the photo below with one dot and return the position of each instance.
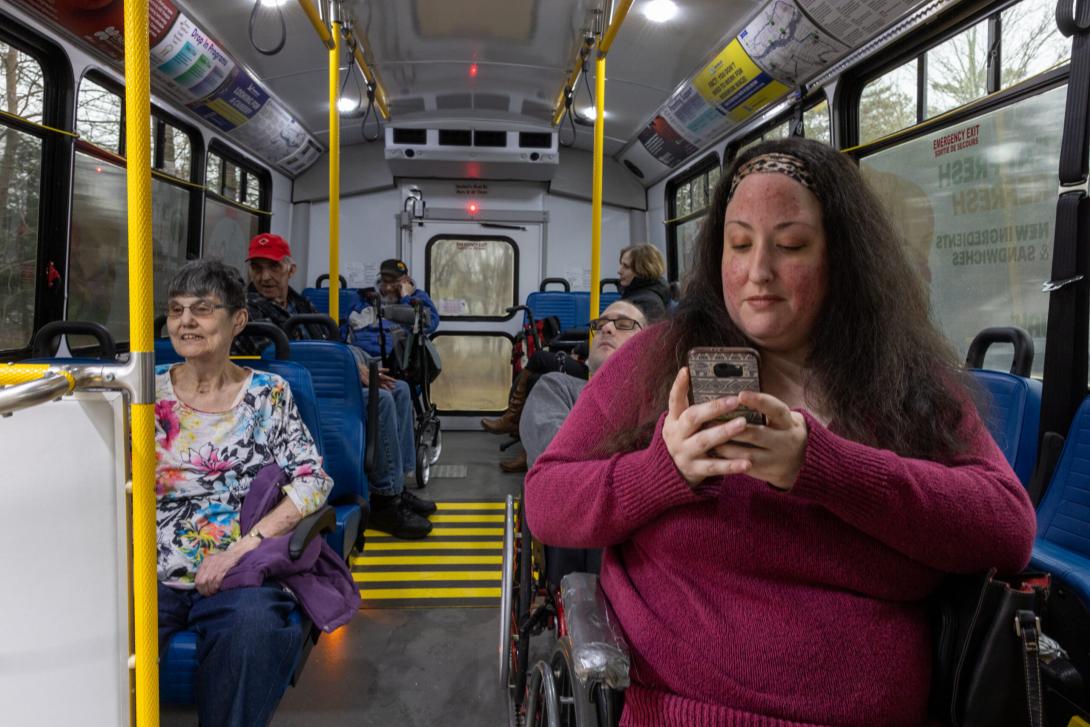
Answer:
(535, 140)
(455, 137)
(411, 136)
(490, 138)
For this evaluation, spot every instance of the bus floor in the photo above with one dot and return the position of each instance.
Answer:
(409, 667)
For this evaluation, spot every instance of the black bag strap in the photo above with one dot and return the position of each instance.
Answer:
(1069, 307)
(1028, 627)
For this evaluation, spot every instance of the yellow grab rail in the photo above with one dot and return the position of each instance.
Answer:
(138, 175)
(371, 75)
(17, 373)
(559, 106)
(619, 14)
(316, 20)
(334, 174)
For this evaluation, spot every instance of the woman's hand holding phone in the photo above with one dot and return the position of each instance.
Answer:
(775, 450)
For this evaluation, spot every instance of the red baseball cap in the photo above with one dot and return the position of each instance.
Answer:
(269, 246)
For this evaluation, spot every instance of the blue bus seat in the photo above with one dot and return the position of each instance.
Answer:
(1013, 417)
(565, 306)
(164, 351)
(608, 299)
(1063, 516)
(319, 298)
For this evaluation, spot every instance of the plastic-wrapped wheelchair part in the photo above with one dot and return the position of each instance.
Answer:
(599, 652)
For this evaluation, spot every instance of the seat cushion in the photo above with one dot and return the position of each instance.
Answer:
(1065, 566)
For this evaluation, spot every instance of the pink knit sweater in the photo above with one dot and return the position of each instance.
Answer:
(745, 605)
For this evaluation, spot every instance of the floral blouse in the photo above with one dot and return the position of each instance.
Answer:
(206, 461)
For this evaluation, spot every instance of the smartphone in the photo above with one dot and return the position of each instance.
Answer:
(716, 372)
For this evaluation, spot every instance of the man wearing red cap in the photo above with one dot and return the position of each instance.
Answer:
(270, 297)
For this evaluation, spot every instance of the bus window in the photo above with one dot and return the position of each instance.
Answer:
(484, 366)
(457, 265)
(815, 123)
(957, 70)
(172, 149)
(232, 208)
(888, 103)
(976, 202)
(686, 202)
(1031, 42)
(23, 81)
(99, 116)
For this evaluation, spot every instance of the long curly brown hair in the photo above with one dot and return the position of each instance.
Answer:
(886, 376)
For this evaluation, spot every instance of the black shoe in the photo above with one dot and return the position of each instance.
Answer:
(417, 504)
(399, 521)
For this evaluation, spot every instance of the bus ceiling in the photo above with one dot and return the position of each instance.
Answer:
(682, 75)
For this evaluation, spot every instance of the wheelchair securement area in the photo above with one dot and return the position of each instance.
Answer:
(458, 565)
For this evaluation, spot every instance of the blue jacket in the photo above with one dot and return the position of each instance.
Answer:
(368, 338)
(319, 579)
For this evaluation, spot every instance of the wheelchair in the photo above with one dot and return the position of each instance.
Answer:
(580, 683)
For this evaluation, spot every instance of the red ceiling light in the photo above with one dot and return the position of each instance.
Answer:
(472, 70)
(472, 207)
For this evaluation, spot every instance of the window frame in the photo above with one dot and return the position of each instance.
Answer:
(58, 153)
(470, 238)
(701, 167)
(248, 168)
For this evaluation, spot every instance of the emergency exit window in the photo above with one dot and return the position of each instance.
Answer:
(472, 277)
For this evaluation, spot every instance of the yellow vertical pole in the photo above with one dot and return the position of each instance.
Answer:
(138, 175)
(596, 193)
(334, 173)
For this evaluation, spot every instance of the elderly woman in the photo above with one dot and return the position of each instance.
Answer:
(642, 272)
(776, 574)
(217, 426)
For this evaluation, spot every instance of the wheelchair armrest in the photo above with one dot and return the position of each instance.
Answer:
(323, 520)
(399, 313)
(599, 652)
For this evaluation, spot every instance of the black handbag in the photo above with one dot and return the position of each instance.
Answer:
(987, 640)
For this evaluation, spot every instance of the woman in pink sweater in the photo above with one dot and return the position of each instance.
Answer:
(775, 575)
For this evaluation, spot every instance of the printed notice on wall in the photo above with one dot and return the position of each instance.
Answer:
(855, 22)
(783, 41)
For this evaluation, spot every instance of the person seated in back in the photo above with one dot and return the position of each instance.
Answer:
(394, 286)
(270, 298)
(642, 273)
(543, 363)
(218, 428)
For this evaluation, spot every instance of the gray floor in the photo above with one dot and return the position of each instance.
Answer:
(409, 667)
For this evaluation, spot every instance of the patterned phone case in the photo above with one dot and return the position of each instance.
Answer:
(717, 372)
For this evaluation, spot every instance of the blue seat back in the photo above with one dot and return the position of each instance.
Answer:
(319, 298)
(608, 299)
(1013, 417)
(1063, 516)
(164, 351)
(572, 309)
(341, 409)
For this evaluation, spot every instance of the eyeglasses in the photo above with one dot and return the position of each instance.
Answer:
(620, 323)
(199, 309)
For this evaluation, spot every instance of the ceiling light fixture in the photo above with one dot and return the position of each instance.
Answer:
(273, 3)
(660, 11)
(347, 105)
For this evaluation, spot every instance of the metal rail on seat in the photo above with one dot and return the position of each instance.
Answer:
(507, 580)
(52, 385)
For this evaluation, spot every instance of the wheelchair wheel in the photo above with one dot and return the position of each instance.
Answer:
(423, 465)
(574, 703)
(436, 444)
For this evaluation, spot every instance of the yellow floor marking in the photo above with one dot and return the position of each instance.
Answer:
(470, 505)
(407, 593)
(428, 560)
(466, 518)
(435, 575)
(444, 531)
(434, 545)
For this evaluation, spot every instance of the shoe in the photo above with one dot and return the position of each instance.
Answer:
(515, 464)
(508, 422)
(399, 521)
(417, 504)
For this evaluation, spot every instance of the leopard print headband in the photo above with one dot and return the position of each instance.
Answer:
(774, 163)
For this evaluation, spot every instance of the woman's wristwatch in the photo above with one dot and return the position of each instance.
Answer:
(255, 533)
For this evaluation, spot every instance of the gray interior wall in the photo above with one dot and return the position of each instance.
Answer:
(363, 169)
(575, 174)
(368, 234)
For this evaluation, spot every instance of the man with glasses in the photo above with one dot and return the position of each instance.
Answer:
(555, 393)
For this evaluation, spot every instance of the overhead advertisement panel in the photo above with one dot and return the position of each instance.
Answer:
(193, 68)
(786, 43)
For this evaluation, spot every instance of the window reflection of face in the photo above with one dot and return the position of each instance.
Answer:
(608, 338)
(775, 262)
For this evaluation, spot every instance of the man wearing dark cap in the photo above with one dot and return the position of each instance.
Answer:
(269, 297)
(395, 286)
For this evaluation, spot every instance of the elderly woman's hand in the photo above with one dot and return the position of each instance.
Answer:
(776, 449)
(689, 439)
(214, 567)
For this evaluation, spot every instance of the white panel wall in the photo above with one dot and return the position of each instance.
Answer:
(567, 248)
(368, 235)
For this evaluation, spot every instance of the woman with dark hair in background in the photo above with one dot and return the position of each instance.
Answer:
(778, 572)
(642, 272)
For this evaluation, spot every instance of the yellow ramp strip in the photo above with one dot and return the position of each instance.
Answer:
(435, 545)
(407, 593)
(466, 518)
(498, 532)
(470, 506)
(428, 560)
(439, 575)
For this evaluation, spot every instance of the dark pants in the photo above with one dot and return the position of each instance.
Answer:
(246, 649)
